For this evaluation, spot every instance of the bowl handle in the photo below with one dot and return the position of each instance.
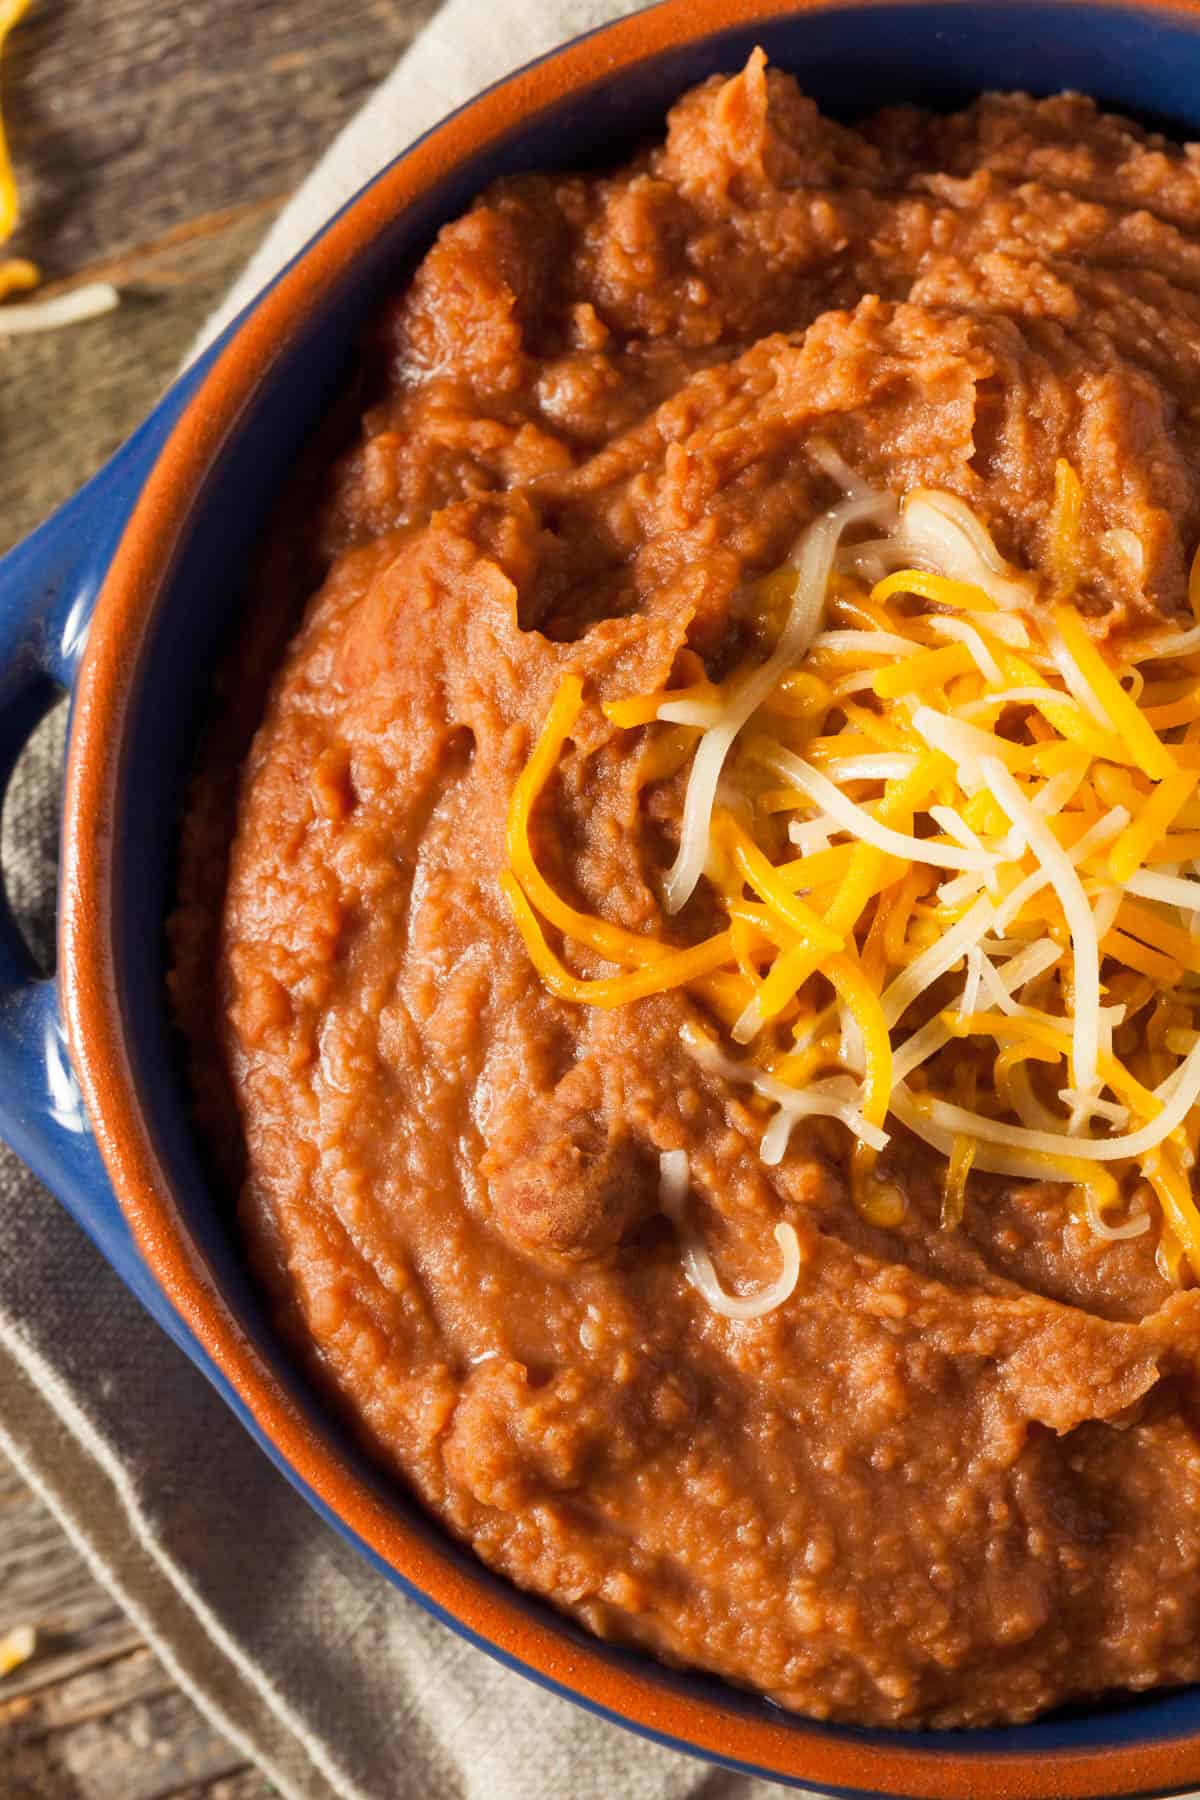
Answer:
(48, 588)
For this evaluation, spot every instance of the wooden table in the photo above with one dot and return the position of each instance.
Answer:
(154, 140)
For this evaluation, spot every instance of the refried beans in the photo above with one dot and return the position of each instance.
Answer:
(953, 1476)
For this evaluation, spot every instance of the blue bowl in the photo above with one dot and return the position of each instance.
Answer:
(1142, 60)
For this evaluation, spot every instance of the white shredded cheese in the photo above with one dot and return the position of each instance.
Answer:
(837, 1098)
(1059, 791)
(1179, 1092)
(1132, 1227)
(1014, 696)
(813, 560)
(864, 825)
(1171, 890)
(877, 643)
(1032, 961)
(674, 1180)
(811, 835)
(937, 961)
(1175, 643)
(857, 682)
(962, 888)
(970, 992)
(1060, 871)
(1092, 1106)
(1093, 839)
(838, 469)
(958, 829)
(1105, 908)
(700, 713)
(699, 1270)
(939, 531)
(965, 745)
(1124, 543)
(883, 766)
(1078, 686)
(24, 317)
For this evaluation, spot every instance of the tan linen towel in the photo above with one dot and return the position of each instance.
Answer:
(309, 1660)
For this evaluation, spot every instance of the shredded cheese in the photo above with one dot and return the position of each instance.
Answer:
(1060, 873)
(943, 772)
(868, 829)
(1112, 704)
(17, 274)
(16, 1647)
(72, 307)
(674, 1181)
(813, 564)
(1065, 525)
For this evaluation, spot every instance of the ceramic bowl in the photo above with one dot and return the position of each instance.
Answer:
(124, 598)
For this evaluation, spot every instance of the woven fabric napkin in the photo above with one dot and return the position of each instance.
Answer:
(312, 1663)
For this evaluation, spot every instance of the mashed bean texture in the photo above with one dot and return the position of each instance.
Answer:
(955, 1477)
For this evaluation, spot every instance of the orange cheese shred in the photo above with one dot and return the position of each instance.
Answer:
(16, 273)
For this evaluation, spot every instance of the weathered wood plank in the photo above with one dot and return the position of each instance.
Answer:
(89, 1695)
(68, 399)
(64, 1652)
(145, 1750)
(153, 146)
(44, 1582)
(92, 1715)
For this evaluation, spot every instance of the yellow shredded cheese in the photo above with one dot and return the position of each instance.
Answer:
(1152, 820)
(674, 970)
(954, 1188)
(1152, 755)
(16, 1647)
(1065, 523)
(929, 668)
(925, 586)
(763, 877)
(16, 274)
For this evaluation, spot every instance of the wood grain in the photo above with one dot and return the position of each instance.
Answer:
(92, 1715)
(154, 143)
(67, 399)
(127, 117)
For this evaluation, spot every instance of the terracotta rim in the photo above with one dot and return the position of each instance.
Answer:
(792, 1748)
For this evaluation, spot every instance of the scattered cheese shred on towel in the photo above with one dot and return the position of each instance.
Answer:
(17, 274)
(16, 1647)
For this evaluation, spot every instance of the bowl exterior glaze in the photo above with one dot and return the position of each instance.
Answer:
(125, 598)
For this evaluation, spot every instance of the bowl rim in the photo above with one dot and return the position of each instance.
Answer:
(794, 1748)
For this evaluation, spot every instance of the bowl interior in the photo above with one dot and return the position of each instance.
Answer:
(850, 60)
